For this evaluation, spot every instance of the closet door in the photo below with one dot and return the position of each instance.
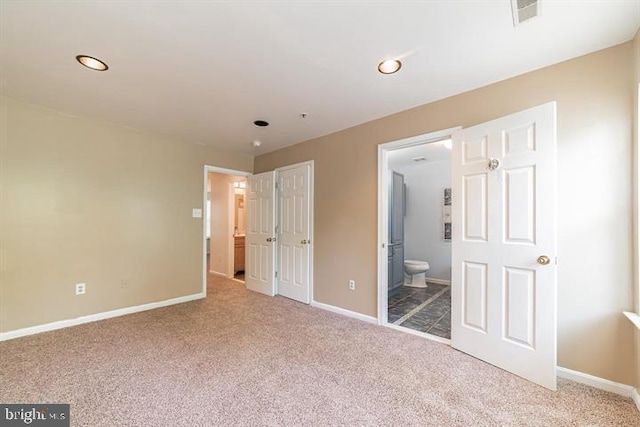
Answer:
(261, 235)
(294, 232)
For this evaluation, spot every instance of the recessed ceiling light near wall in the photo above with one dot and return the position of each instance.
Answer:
(389, 66)
(91, 62)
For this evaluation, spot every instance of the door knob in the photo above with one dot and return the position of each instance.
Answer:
(303, 242)
(543, 260)
(271, 239)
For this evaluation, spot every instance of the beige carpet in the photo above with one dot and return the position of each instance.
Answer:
(243, 359)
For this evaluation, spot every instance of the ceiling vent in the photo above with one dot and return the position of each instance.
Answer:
(524, 10)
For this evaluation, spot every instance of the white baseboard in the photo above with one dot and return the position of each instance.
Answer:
(600, 383)
(348, 313)
(4, 336)
(636, 397)
(438, 281)
(217, 273)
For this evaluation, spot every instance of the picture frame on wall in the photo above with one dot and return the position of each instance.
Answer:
(446, 215)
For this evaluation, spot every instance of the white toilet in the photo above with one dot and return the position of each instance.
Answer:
(414, 273)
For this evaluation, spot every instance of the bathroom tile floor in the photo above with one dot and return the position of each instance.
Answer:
(423, 309)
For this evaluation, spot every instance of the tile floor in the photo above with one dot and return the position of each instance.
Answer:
(423, 309)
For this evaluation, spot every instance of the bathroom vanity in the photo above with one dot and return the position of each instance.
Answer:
(396, 233)
(238, 259)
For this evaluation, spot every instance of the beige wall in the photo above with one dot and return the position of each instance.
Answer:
(594, 198)
(636, 179)
(84, 201)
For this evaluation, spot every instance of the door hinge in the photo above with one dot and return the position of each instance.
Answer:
(276, 274)
(276, 183)
(277, 229)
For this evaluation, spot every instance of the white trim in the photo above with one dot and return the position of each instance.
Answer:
(207, 169)
(383, 203)
(635, 319)
(635, 395)
(344, 312)
(231, 241)
(419, 334)
(438, 281)
(600, 383)
(4, 336)
(218, 274)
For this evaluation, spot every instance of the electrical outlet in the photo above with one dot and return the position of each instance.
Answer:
(81, 288)
(352, 285)
(124, 283)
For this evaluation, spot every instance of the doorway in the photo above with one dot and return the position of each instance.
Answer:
(414, 175)
(503, 241)
(224, 224)
(420, 245)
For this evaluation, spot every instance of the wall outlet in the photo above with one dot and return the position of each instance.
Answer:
(352, 285)
(124, 283)
(81, 288)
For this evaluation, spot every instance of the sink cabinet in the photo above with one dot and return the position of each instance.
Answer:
(238, 259)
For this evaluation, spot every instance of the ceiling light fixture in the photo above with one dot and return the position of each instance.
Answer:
(91, 62)
(261, 123)
(256, 143)
(389, 66)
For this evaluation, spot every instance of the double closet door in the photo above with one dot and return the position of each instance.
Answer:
(279, 246)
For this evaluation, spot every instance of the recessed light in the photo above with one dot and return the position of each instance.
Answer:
(91, 62)
(256, 143)
(389, 66)
(261, 123)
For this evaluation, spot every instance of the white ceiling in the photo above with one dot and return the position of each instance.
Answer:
(433, 152)
(202, 72)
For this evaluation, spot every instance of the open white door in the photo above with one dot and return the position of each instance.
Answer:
(294, 238)
(260, 237)
(504, 243)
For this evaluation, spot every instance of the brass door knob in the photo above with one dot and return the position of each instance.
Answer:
(543, 260)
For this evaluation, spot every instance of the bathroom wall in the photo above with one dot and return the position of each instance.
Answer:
(423, 234)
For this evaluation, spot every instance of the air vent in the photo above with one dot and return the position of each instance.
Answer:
(524, 10)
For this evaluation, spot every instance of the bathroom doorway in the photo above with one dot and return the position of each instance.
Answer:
(418, 218)
(224, 223)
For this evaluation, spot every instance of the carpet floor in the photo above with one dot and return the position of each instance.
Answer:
(242, 359)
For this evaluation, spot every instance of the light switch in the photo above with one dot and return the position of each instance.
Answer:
(196, 213)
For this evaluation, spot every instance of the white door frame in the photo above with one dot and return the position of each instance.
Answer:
(383, 219)
(309, 163)
(207, 169)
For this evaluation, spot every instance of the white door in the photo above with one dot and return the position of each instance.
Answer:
(260, 236)
(504, 243)
(294, 237)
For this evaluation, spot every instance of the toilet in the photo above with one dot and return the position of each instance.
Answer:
(414, 273)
